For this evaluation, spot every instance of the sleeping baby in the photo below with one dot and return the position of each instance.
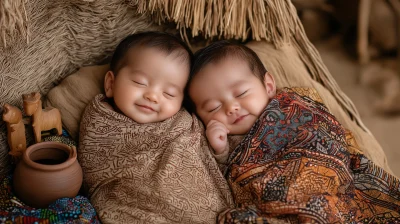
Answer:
(296, 162)
(142, 154)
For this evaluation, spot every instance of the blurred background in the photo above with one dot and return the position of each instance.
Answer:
(359, 44)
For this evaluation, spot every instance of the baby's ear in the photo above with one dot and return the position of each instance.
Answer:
(109, 84)
(270, 85)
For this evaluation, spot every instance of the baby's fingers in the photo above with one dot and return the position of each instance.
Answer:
(222, 136)
(218, 130)
(214, 123)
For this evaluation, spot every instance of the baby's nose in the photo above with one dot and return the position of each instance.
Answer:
(151, 96)
(233, 108)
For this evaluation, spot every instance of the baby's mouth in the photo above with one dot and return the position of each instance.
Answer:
(239, 119)
(145, 108)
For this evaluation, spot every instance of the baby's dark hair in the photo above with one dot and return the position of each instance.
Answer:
(164, 42)
(218, 51)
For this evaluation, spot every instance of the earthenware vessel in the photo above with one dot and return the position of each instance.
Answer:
(48, 171)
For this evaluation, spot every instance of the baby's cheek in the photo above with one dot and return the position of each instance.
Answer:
(171, 108)
(206, 118)
(220, 116)
(257, 106)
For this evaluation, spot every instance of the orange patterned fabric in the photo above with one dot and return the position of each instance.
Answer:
(298, 164)
(149, 173)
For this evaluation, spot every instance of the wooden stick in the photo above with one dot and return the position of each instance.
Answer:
(364, 10)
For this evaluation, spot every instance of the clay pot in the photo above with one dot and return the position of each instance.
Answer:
(48, 171)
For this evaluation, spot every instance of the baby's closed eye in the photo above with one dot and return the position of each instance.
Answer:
(215, 108)
(242, 93)
(169, 94)
(139, 83)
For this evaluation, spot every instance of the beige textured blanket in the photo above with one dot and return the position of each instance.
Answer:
(149, 173)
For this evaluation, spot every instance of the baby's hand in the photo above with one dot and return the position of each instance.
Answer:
(217, 135)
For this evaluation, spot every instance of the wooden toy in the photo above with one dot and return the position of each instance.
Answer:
(42, 119)
(15, 131)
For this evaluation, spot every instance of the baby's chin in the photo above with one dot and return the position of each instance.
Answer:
(242, 128)
(239, 130)
(141, 120)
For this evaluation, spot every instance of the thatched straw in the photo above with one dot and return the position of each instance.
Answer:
(13, 20)
(265, 19)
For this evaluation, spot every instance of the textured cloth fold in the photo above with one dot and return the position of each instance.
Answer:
(153, 173)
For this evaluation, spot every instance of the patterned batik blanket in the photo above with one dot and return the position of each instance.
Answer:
(298, 164)
(149, 173)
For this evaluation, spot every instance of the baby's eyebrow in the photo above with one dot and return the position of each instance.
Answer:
(138, 71)
(236, 84)
(175, 86)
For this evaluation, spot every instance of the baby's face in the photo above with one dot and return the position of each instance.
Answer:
(150, 87)
(230, 93)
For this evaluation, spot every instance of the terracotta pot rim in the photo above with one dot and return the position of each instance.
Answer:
(71, 151)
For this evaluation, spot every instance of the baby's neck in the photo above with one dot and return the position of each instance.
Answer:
(110, 104)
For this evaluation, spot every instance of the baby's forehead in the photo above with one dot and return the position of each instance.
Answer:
(135, 54)
(228, 75)
(227, 62)
(221, 66)
(237, 59)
